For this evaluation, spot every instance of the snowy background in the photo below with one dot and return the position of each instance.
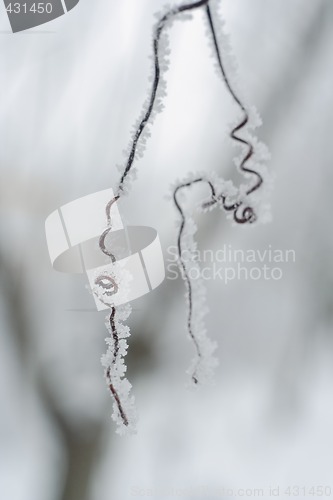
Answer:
(70, 93)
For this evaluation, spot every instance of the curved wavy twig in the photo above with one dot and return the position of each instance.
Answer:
(242, 214)
(157, 75)
(248, 214)
(108, 229)
(111, 288)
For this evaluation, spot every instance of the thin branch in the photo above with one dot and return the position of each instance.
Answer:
(248, 214)
(183, 266)
(157, 75)
(114, 392)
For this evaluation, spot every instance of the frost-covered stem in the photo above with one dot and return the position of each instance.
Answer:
(247, 213)
(113, 390)
(242, 213)
(115, 335)
(111, 288)
(117, 399)
(124, 412)
(185, 273)
(234, 201)
(131, 157)
(157, 75)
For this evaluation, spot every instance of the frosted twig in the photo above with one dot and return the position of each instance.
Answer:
(114, 367)
(241, 203)
(243, 212)
(157, 81)
(195, 291)
(124, 412)
(153, 104)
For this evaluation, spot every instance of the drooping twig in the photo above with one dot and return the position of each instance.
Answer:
(111, 287)
(157, 76)
(241, 209)
(247, 212)
(137, 135)
(112, 388)
(184, 270)
(242, 212)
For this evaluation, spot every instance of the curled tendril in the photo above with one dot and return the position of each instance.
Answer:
(105, 233)
(110, 287)
(242, 214)
(248, 215)
(108, 284)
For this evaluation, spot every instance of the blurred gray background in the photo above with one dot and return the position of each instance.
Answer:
(70, 93)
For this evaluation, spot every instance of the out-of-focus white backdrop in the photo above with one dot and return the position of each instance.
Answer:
(70, 92)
